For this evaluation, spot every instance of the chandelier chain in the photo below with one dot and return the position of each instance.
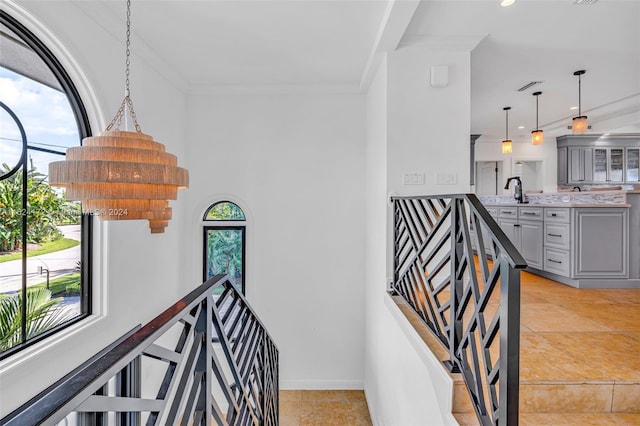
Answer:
(126, 104)
(128, 51)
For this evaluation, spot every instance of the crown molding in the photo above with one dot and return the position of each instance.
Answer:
(307, 89)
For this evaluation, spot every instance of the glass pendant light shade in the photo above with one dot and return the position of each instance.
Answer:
(580, 124)
(507, 145)
(537, 137)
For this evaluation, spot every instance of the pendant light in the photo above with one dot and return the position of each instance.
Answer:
(507, 145)
(537, 138)
(119, 174)
(580, 124)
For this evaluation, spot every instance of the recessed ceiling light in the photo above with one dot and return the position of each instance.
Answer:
(520, 127)
(573, 107)
(506, 3)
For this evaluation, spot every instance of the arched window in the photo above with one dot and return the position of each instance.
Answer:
(44, 240)
(224, 242)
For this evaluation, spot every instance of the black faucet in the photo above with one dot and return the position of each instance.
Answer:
(517, 190)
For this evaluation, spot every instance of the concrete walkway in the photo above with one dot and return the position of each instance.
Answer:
(58, 263)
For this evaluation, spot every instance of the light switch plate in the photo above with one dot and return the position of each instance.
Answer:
(413, 178)
(446, 179)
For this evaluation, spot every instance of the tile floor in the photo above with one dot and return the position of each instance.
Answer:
(580, 356)
(573, 334)
(579, 342)
(320, 408)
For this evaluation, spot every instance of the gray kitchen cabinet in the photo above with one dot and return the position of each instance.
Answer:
(562, 158)
(557, 235)
(557, 241)
(632, 165)
(598, 159)
(510, 227)
(600, 247)
(531, 242)
(608, 165)
(584, 247)
(580, 165)
(524, 227)
(557, 261)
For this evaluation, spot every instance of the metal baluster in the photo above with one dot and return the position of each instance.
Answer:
(509, 343)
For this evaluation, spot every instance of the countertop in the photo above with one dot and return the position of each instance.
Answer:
(605, 205)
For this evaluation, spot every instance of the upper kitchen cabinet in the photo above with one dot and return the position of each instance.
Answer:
(598, 159)
(608, 165)
(632, 165)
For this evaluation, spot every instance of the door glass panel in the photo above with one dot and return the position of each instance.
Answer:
(225, 254)
(617, 165)
(600, 165)
(633, 160)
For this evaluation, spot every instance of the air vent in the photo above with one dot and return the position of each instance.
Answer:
(528, 86)
(584, 2)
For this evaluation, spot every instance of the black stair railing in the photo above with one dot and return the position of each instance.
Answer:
(461, 274)
(205, 360)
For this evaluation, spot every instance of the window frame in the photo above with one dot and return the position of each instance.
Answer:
(224, 225)
(86, 221)
(206, 213)
(205, 250)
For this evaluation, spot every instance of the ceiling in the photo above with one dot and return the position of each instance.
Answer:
(205, 45)
(545, 41)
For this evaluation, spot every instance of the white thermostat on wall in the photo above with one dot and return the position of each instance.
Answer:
(439, 75)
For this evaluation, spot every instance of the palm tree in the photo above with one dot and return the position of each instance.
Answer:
(43, 313)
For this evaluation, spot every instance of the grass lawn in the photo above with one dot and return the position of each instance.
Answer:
(58, 286)
(50, 247)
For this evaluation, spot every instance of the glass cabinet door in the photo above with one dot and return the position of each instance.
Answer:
(633, 164)
(600, 165)
(616, 168)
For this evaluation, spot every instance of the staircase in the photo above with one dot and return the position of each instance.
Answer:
(207, 359)
(579, 356)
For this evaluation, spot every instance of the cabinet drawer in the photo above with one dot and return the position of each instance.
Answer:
(557, 235)
(508, 212)
(557, 214)
(530, 213)
(556, 261)
(493, 211)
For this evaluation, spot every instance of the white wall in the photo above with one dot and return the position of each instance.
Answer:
(376, 243)
(411, 127)
(296, 163)
(137, 274)
(428, 127)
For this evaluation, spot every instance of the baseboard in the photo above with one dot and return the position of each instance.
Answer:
(608, 283)
(321, 384)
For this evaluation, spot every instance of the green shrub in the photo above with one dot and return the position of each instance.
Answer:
(72, 289)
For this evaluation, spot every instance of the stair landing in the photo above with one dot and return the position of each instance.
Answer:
(579, 356)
